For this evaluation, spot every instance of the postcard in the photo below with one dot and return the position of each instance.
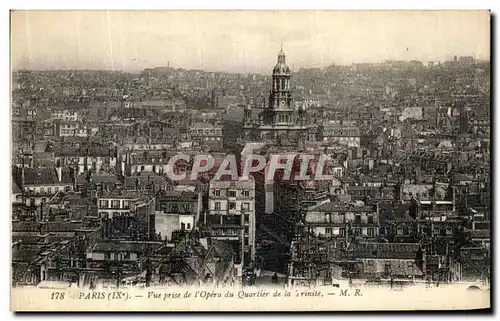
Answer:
(250, 160)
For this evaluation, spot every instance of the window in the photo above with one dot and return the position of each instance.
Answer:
(449, 231)
(217, 206)
(370, 219)
(188, 226)
(115, 204)
(342, 217)
(175, 208)
(246, 193)
(370, 231)
(387, 269)
(231, 194)
(357, 219)
(126, 205)
(247, 230)
(399, 231)
(232, 205)
(103, 203)
(187, 207)
(342, 231)
(328, 231)
(245, 206)
(217, 192)
(357, 230)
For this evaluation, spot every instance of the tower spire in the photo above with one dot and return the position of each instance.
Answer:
(281, 55)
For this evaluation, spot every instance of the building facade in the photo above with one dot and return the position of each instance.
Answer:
(231, 217)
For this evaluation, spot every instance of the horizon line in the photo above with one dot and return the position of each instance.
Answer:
(129, 70)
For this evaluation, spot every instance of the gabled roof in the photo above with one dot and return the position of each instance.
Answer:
(15, 188)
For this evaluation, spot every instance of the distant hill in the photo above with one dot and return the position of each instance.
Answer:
(158, 71)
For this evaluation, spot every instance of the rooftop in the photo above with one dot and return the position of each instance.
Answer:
(46, 176)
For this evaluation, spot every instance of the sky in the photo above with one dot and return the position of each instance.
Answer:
(241, 41)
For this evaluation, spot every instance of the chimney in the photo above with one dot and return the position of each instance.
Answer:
(59, 171)
(424, 261)
(22, 178)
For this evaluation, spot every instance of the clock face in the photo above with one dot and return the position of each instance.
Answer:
(283, 103)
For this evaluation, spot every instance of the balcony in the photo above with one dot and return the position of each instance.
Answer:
(232, 231)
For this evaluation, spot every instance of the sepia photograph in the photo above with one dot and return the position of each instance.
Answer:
(257, 161)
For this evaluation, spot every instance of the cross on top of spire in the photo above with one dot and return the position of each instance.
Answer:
(281, 55)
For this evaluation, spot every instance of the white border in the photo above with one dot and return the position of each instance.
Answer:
(187, 4)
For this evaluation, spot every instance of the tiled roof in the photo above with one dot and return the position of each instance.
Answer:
(15, 188)
(385, 250)
(480, 234)
(119, 247)
(122, 194)
(101, 151)
(40, 147)
(431, 156)
(144, 180)
(105, 178)
(25, 226)
(177, 195)
(46, 176)
(25, 255)
(334, 207)
(62, 226)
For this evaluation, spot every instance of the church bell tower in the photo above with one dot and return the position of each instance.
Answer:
(280, 96)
